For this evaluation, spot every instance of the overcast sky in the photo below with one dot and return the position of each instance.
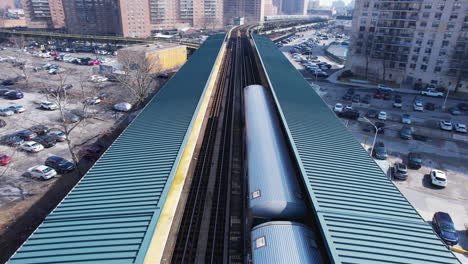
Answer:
(329, 2)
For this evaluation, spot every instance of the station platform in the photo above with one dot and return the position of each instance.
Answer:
(122, 209)
(362, 216)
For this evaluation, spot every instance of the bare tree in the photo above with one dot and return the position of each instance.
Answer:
(138, 74)
(60, 96)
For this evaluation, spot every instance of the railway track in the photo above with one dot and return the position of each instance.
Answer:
(212, 227)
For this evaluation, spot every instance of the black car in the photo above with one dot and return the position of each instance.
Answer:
(14, 95)
(445, 228)
(8, 82)
(39, 129)
(26, 134)
(380, 152)
(463, 106)
(366, 99)
(380, 127)
(350, 91)
(430, 106)
(399, 171)
(387, 95)
(59, 164)
(372, 114)
(356, 98)
(349, 114)
(46, 141)
(347, 97)
(414, 160)
(397, 97)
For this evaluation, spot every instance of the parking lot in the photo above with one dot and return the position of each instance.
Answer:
(440, 149)
(94, 127)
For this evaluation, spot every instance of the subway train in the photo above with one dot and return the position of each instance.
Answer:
(275, 198)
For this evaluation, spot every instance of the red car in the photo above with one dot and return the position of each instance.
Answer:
(4, 159)
(94, 63)
(378, 95)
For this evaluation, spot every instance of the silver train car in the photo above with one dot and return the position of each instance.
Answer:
(284, 242)
(273, 188)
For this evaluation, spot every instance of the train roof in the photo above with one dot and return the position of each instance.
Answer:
(284, 242)
(362, 215)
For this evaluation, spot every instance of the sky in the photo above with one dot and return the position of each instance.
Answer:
(329, 2)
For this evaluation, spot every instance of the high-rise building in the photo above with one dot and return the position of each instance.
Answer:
(411, 42)
(44, 13)
(129, 18)
(294, 7)
(7, 4)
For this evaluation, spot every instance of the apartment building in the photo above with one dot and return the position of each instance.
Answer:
(44, 13)
(411, 42)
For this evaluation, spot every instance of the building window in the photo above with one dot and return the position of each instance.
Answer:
(362, 28)
(260, 242)
(414, 58)
(412, 66)
(445, 43)
(437, 69)
(453, 16)
(426, 14)
(363, 21)
(450, 25)
(423, 67)
(435, 24)
(427, 6)
(423, 24)
(442, 52)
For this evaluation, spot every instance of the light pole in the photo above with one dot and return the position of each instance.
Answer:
(445, 99)
(375, 134)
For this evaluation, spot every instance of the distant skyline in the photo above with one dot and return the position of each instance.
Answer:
(329, 2)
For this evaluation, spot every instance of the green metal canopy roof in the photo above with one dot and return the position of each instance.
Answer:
(362, 215)
(110, 216)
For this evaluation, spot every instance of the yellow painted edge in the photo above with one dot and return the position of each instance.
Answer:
(161, 233)
(459, 250)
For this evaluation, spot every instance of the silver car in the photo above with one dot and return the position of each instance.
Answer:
(6, 112)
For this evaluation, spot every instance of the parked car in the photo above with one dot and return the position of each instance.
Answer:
(8, 82)
(14, 95)
(463, 106)
(71, 118)
(380, 127)
(432, 92)
(380, 152)
(382, 115)
(49, 106)
(371, 114)
(438, 178)
(91, 152)
(12, 140)
(430, 106)
(6, 112)
(406, 119)
(32, 146)
(387, 95)
(418, 106)
(26, 134)
(45, 141)
(460, 128)
(42, 172)
(92, 101)
(4, 159)
(59, 164)
(356, 98)
(384, 88)
(399, 171)
(347, 97)
(16, 108)
(40, 129)
(454, 111)
(2, 123)
(123, 107)
(406, 133)
(338, 108)
(398, 103)
(57, 135)
(446, 125)
(378, 94)
(445, 228)
(414, 160)
(3, 91)
(366, 99)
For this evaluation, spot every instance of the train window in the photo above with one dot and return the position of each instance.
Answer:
(260, 242)
(256, 194)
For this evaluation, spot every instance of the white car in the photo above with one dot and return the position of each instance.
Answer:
(431, 92)
(92, 100)
(382, 115)
(123, 107)
(348, 108)
(459, 127)
(42, 172)
(17, 108)
(438, 178)
(384, 88)
(446, 125)
(6, 112)
(49, 106)
(338, 108)
(418, 106)
(32, 146)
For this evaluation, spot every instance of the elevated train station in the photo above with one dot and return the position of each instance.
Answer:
(173, 187)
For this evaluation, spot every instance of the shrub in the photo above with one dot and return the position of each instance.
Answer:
(347, 74)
